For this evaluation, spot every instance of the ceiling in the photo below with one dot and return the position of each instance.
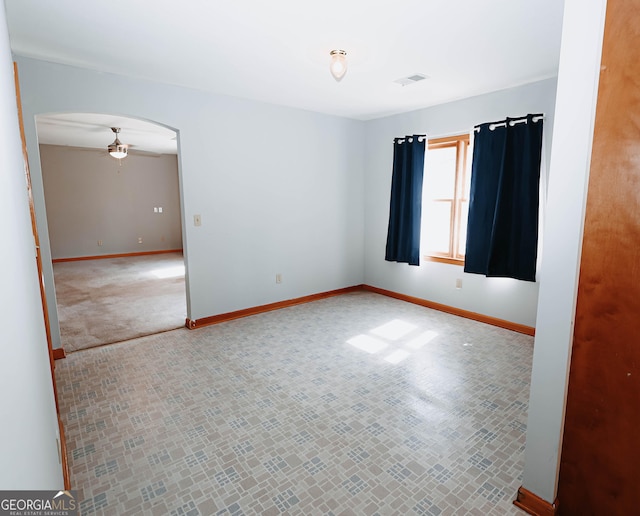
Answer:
(93, 130)
(278, 51)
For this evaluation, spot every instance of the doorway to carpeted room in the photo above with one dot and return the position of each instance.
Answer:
(109, 300)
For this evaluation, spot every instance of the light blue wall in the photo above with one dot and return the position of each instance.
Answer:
(578, 77)
(28, 422)
(279, 189)
(507, 299)
(284, 191)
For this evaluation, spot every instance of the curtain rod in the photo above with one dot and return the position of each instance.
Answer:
(492, 125)
(513, 121)
(421, 138)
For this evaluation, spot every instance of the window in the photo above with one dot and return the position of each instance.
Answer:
(445, 199)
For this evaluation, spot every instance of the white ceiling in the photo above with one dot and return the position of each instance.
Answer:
(278, 51)
(94, 131)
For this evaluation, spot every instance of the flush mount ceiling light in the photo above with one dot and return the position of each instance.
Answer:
(117, 149)
(338, 65)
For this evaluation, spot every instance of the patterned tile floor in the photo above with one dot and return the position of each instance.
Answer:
(357, 404)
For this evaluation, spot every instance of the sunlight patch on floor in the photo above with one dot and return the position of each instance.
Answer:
(394, 330)
(422, 340)
(393, 333)
(168, 272)
(368, 344)
(397, 356)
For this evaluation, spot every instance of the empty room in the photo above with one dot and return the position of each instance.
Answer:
(128, 281)
(319, 258)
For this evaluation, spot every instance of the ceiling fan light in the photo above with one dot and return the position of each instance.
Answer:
(338, 65)
(117, 149)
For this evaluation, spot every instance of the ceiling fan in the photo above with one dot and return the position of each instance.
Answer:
(117, 149)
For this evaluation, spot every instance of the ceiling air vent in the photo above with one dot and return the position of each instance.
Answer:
(412, 79)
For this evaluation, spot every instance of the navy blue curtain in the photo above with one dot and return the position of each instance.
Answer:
(405, 211)
(502, 229)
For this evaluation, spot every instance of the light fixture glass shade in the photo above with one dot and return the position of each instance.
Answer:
(117, 149)
(338, 65)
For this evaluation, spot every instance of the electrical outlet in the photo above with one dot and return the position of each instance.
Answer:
(139, 240)
(278, 278)
(458, 283)
(99, 242)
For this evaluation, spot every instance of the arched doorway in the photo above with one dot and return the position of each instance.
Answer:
(114, 227)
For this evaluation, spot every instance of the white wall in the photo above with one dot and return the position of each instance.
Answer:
(29, 428)
(507, 299)
(92, 197)
(579, 72)
(279, 189)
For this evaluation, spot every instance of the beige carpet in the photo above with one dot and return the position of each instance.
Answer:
(116, 299)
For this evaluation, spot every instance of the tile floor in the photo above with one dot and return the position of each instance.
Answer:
(357, 404)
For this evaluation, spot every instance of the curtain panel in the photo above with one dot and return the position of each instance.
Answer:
(405, 210)
(502, 229)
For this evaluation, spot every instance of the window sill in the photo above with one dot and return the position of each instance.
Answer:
(442, 259)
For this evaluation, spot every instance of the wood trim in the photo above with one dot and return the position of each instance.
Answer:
(36, 237)
(600, 459)
(58, 353)
(117, 255)
(533, 504)
(461, 178)
(63, 456)
(192, 324)
(53, 354)
(444, 259)
(494, 321)
(461, 145)
(448, 141)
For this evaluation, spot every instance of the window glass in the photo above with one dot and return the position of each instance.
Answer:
(445, 199)
(437, 230)
(437, 170)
